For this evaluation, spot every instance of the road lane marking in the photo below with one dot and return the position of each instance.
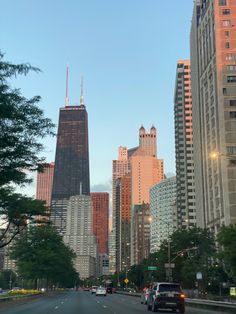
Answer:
(104, 306)
(62, 302)
(98, 302)
(56, 307)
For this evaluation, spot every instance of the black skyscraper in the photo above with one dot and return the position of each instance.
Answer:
(72, 160)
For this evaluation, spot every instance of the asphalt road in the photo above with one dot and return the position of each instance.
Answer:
(84, 303)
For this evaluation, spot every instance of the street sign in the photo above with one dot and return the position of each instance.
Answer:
(126, 280)
(199, 275)
(172, 265)
(152, 268)
(232, 291)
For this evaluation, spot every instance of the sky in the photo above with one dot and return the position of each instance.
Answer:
(127, 52)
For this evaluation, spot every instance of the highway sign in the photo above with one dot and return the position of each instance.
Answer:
(126, 280)
(152, 268)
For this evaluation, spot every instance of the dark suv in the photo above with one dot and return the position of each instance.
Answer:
(166, 296)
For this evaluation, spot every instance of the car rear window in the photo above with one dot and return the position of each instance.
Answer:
(169, 287)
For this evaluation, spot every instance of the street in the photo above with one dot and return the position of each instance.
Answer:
(84, 303)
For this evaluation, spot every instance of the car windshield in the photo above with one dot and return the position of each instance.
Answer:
(169, 287)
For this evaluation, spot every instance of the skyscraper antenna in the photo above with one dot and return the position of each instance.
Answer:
(67, 79)
(82, 91)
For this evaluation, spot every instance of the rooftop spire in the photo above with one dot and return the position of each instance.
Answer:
(82, 91)
(67, 78)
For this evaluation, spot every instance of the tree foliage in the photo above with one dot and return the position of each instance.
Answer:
(41, 254)
(22, 128)
(227, 239)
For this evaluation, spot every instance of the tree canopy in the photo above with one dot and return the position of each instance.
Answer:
(227, 238)
(40, 253)
(22, 128)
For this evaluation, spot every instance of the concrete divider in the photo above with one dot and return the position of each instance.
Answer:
(215, 305)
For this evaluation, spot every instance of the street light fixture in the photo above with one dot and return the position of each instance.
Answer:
(216, 155)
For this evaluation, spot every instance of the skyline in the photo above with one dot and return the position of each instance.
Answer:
(128, 71)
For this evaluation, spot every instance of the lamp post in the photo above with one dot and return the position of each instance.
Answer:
(169, 249)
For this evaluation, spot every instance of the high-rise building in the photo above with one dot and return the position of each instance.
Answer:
(163, 212)
(44, 184)
(100, 216)
(213, 69)
(120, 168)
(123, 222)
(112, 251)
(141, 232)
(72, 160)
(148, 141)
(184, 146)
(79, 234)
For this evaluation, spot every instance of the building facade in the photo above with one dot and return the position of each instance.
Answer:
(44, 184)
(163, 212)
(184, 147)
(123, 222)
(213, 67)
(79, 235)
(141, 232)
(72, 161)
(100, 219)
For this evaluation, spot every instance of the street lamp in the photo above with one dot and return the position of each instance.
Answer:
(216, 155)
(168, 244)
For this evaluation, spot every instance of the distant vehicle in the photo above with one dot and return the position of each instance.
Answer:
(93, 289)
(166, 295)
(101, 291)
(86, 289)
(146, 293)
(108, 286)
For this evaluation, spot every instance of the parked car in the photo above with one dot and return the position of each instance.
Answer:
(86, 289)
(145, 294)
(166, 295)
(93, 289)
(101, 291)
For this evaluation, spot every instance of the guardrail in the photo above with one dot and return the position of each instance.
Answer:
(215, 305)
(17, 297)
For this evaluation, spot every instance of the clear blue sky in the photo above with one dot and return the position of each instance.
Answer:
(126, 50)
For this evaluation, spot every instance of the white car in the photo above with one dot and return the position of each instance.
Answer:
(93, 289)
(101, 291)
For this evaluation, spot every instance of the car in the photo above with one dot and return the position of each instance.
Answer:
(93, 289)
(101, 291)
(166, 295)
(86, 289)
(145, 294)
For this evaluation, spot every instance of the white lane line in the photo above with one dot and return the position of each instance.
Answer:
(56, 307)
(98, 302)
(62, 302)
(104, 306)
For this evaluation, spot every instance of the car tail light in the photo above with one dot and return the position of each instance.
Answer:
(182, 296)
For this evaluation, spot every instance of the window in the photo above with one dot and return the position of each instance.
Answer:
(222, 2)
(226, 23)
(232, 102)
(226, 34)
(230, 57)
(232, 114)
(224, 91)
(231, 79)
(231, 67)
(227, 45)
(226, 11)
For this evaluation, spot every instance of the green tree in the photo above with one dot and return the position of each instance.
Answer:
(22, 127)
(41, 254)
(227, 239)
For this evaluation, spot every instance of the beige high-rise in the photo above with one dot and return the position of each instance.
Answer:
(213, 67)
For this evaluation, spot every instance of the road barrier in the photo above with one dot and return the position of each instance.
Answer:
(215, 305)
